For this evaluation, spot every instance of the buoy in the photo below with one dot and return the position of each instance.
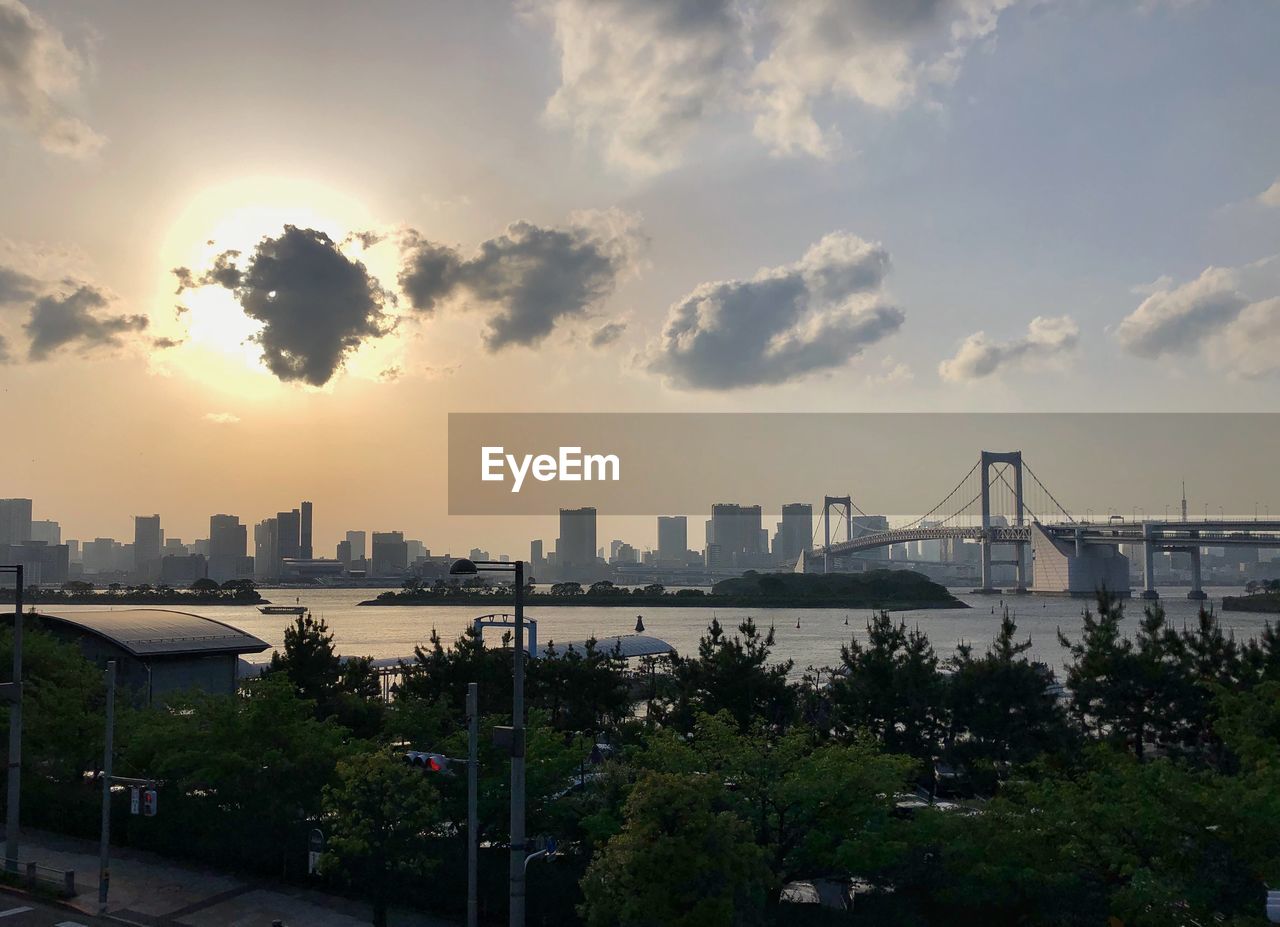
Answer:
(797, 622)
(639, 624)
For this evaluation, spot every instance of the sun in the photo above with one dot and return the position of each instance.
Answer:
(218, 346)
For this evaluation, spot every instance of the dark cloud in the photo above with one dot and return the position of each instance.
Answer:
(37, 72)
(316, 304)
(367, 239)
(223, 273)
(607, 334)
(17, 287)
(528, 278)
(783, 323)
(75, 319)
(164, 343)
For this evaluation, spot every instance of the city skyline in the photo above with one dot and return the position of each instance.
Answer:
(991, 206)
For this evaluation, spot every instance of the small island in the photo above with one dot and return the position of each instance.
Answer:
(203, 592)
(891, 590)
(1259, 597)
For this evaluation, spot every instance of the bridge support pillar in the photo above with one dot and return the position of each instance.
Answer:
(842, 503)
(1013, 458)
(1196, 592)
(1149, 563)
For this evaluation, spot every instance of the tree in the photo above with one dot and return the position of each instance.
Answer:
(891, 688)
(681, 860)
(380, 813)
(581, 690)
(205, 585)
(566, 588)
(603, 587)
(734, 674)
(348, 690)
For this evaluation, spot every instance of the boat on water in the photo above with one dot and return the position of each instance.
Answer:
(283, 609)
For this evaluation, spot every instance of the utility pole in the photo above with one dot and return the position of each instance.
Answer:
(104, 849)
(517, 759)
(473, 814)
(13, 692)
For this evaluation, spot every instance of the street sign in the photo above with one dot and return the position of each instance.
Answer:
(134, 801)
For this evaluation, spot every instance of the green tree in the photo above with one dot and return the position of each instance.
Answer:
(681, 860)
(734, 674)
(348, 690)
(380, 814)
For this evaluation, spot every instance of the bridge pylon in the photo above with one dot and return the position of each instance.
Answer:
(1013, 459)
(844, 503)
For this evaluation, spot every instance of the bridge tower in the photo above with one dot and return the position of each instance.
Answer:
(1013, 459)
(842, 503)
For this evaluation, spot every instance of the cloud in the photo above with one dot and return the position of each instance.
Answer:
(783, 323)
(892, 372)
(316, 305)
(57, 321)
(38, 74)
(1271, 195)
(5, 356)
(1176, 319)
(1047, 338)
(165, 343)
(880, 53)
(638, 77)
(17, 287)
(221, 418)
(1250, 346)
(528, 279)
(607, 334)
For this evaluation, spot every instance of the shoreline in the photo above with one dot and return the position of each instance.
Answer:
(706, 601)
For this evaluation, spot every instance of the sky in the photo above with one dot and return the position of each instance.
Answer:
(252, 253)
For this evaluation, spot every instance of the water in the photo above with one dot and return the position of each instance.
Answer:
(393, 631)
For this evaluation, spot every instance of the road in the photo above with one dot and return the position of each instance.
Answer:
(16, 911)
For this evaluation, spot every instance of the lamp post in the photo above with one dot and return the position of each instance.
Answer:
(12, 692)
(466, 567)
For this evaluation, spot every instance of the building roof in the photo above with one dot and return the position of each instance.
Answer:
(631, 645)
(155, 632)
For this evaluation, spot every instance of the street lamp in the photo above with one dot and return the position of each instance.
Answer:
(466, 567)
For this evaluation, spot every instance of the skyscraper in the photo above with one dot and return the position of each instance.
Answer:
(795, 533)
(735, 530)
(305, 532)
(289, 534)
(390, 553)
(673, 538)
(228, 540)
(147, 542)
(576, 546)
(15, 521)
(49, 532)
(266, 549)
(356, 539)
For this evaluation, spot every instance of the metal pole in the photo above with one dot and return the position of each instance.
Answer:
(104, 850)
(11, 823)
(517, 759)
(473, 814)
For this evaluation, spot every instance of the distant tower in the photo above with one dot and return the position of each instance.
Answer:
(1184, 500)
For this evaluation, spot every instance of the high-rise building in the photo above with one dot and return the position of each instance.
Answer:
(390, 553)
(356, 539)
(305, 532)
(289, 534)
(416, 550)
(576, 546)
(15, 521)
(344, 553)
(73, 551)
(266, 549)
(535, 554)
(795, 533)
(735, 530)
(147, 543)
(46, 532)
(228, 541)
(673, 538)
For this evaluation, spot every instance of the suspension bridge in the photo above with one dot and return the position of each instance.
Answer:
(1026, 527)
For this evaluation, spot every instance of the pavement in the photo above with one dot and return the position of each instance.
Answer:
(151, 891)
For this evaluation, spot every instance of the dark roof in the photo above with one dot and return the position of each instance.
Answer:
(160, 632)
(632, 645)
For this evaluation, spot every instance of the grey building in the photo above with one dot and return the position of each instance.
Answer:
(157, 651)
(47, 532)
(304, 532)
(736, 531)
(228, 541)
(673, 539)
(357, 541)
(15, 521)
(390, 553)
(148, 540)
(795, 533)
(289, 534)
(576, 546)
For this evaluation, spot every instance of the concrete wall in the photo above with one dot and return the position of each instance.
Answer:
(1060, 571)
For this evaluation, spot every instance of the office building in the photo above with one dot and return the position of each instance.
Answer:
(289, 534)
(46, 532)
(576, 545)
(266, 549)
(390, 553)
(15, 521)
(147, 544)
(736, 531)
(42, 564)
(304, 530)
(535, 554)
(181, 570)
(357, 541)
(673, 538)
(416, 550)
(795, 533)
(228, 542)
